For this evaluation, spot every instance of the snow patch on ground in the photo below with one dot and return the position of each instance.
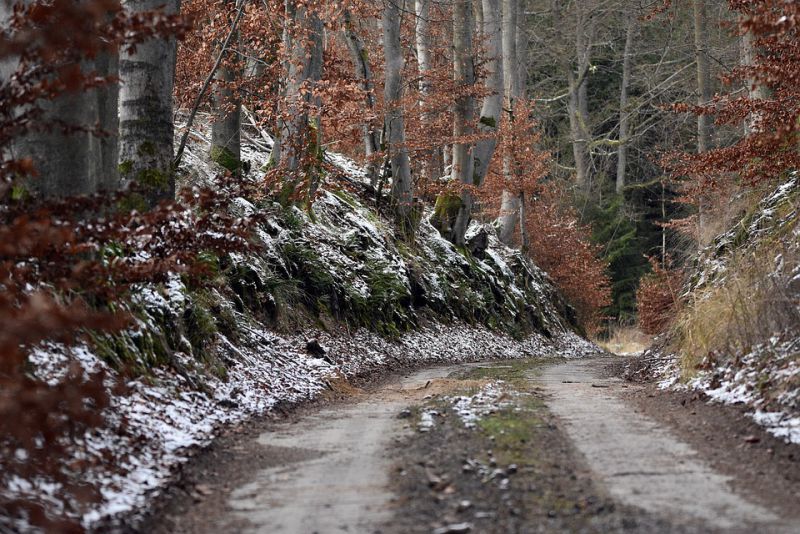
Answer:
(489, 399)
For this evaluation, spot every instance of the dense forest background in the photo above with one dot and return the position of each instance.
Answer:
(571, 117)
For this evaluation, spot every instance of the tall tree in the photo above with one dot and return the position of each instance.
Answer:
(300, 129)
(703, 73)
(624, 112)
(509, 202)
(73, 146)
(463, 166)
(492, 106)
(578, 104)
(147, 76)
(432, 159)
(360, 59)
(226, 109)
(402, 195)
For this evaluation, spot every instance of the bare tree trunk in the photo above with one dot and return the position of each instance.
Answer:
(477, 17)
(523, 230)
(226, 110)
(433, 160)
(363, 72)
(146, 128)
(464, 73)
(509, 214)
(578, 101)
(402, 195)
(624, 113)
(493, 103)
(300, 132)
(754, 91)
(521, 48)
(703, 97)
(77, 162)
(107, 64)
(703, 74)
(509, 202)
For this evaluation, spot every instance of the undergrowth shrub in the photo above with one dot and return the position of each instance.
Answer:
(560, 245)
(658, 298)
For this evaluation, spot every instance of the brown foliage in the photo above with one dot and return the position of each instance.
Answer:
(658, 298)
(769, 147)
(67, 266)
(560, 245)
(557, 242)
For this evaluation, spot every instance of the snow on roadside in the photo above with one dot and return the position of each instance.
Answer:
(169, 411)
(766, 380)
(163, 419)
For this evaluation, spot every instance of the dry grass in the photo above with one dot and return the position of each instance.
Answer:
(755, 301)
(625, 340)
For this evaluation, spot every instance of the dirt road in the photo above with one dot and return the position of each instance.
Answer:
(341, 482)
(563, 451)
(642, 463)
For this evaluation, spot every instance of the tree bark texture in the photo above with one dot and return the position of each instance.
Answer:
(77, 162)
(146, 129)
(509, 201)
(464, 75)
(300, 134)
(226, 110)
(401, 193)
(578, 106)
(703, 73)
(492, 106)
(363, 72)
(624, 113)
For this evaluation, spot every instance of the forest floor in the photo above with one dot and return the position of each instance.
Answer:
(539, 445)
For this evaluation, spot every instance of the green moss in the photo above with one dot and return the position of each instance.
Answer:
(153, 178)
(200, 325)
(491, 122)
(445, 211)
(146, 149)
(131, 202)
(125, 167)
(346, 197)
(19, 193)
(225, 158)
(513, 429)
(447, 205)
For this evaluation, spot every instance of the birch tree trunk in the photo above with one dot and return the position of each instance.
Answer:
(464, 74)
(363, 72)
(493, 102)
(509, 201)
(401, 193)
(146, 129)
(226, 110)
(754, 91)
(624, 113)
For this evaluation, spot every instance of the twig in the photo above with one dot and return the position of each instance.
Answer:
(206, 83)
